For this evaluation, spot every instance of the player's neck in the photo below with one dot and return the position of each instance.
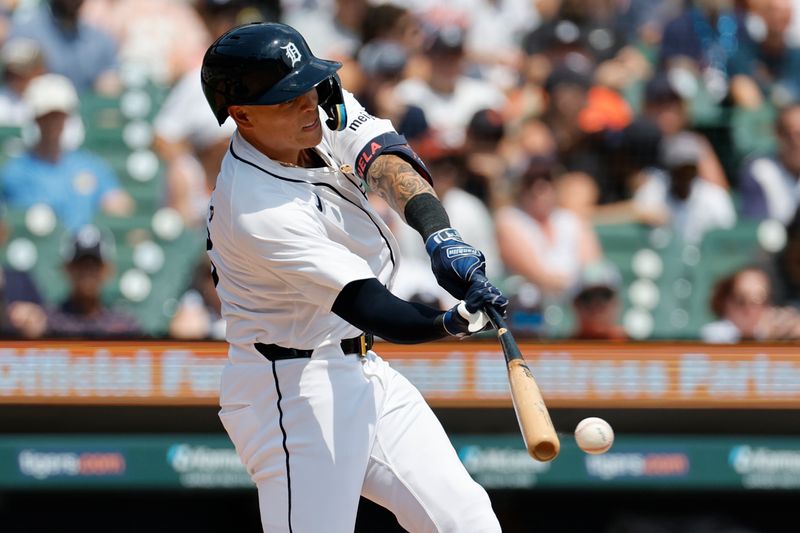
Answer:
(305, 158)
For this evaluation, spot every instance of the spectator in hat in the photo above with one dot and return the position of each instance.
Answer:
(449, 97)
(694, 206)
(666, 106)
(596, 303)
(88, 265)
(770, 184)
(75, 183)
(743, 304)
(22, 61)
(85, 54)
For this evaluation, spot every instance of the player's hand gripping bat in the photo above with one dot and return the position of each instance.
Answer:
(534, 421)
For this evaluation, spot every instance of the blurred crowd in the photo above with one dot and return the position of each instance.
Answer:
(549, 126)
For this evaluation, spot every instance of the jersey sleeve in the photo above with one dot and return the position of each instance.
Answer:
(361, 128)
(300, 255)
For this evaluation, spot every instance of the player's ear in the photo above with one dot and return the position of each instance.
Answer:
(239, 115)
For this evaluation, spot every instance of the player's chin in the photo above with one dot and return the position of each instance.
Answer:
(312, 134)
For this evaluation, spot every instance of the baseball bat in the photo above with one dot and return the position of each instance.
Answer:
(534, 421)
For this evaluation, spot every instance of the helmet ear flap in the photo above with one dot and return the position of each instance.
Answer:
(331, 100)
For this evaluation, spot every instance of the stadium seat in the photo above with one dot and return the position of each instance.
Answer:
(46, 247)
(104, 123)
(167, 285)
(653, 277)
(753, 132)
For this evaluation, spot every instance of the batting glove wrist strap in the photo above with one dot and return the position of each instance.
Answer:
(454, 262)
(458, 322)
(441, 236)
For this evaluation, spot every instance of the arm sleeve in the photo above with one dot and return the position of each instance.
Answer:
(369, 306)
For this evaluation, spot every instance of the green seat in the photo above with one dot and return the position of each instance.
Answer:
(47, 272)
(125, 230)
(753, 132)
(104, 124)
(11, 144)
(621, 243)
(168, 284)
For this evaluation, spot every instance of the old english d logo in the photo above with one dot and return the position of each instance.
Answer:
(292, 53)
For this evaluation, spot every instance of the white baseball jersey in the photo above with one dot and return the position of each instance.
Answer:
(286, 240)
(317, 433)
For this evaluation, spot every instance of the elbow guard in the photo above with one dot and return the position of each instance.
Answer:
(390, 143)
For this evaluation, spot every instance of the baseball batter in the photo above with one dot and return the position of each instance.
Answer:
(303, 267)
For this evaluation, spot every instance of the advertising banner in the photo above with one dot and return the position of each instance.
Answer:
(496, 462)
(187, 461)
(461, 374)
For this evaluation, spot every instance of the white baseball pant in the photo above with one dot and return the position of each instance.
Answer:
(314, 434)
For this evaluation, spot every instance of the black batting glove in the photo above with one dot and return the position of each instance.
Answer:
(454, 262)
(482, 293)
(468, 317)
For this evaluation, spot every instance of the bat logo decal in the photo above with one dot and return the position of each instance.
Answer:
(528, 373)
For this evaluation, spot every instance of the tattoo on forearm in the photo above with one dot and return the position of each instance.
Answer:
(396, 181)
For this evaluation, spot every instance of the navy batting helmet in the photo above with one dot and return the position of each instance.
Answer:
(265, 64)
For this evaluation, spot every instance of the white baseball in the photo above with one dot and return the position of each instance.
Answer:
(594, 435)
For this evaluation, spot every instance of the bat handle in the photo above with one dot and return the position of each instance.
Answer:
(510, 348)
(495, 318)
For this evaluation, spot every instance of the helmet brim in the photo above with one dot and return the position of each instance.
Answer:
(299, 81)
